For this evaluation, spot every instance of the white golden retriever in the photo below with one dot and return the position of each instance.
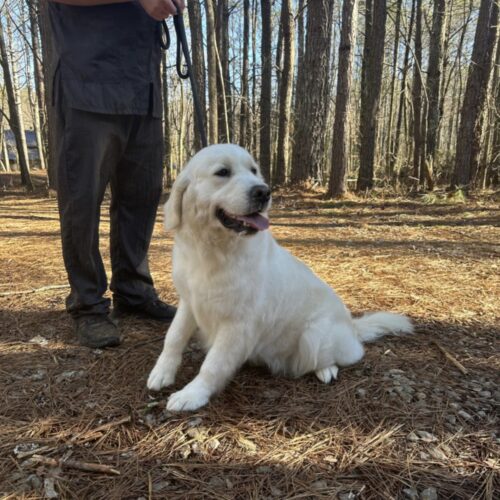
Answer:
(248, 298)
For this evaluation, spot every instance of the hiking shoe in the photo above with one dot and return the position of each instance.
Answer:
(97, 331)
(154, 309)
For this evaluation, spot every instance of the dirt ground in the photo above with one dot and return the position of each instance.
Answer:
(417, 418)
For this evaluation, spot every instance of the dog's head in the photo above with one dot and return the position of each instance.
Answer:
(220, 189)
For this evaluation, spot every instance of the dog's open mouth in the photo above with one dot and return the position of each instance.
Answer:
(250, 223)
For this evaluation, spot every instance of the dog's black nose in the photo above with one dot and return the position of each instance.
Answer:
(260, 194)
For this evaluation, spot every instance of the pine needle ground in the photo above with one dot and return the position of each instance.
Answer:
(405, 419)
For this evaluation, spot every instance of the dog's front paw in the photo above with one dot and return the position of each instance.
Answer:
(187, 399)
(161, 376)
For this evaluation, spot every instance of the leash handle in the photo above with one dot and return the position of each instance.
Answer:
(164, 36)
(183, 50)
(165, 45)
(180, 31)
(183, 44)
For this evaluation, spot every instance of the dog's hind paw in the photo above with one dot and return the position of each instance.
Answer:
(187, 399)
(327, 374)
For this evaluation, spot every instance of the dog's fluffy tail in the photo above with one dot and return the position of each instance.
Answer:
(372, 326)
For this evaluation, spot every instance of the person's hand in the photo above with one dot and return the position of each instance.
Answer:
(161, 9)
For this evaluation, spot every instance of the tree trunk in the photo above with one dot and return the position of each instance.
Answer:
(33, 6)
(194, 11)
(279, 51)
(223, 82)
(167, 145)
(490, 124)
(182, 128)
(493, 171)
(434, 82)
(285, 91)
(397, 28)
(454, 117)
(418, 140)
(445, 57)
(373, 59)
(323, 170)
(212, 73)
(275, 108)
(37, 127)
(451, 121)
(300, 48)
(15, 113)
(265, 96)
(244, 76)
(313, 76)
(402, 95)
(252, 122)
(340, 144)
(4, 155)
(49, 58)
(469, 133)
(300, 32)
(29, 31)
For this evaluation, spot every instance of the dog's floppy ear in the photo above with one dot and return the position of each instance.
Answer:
(173, 207)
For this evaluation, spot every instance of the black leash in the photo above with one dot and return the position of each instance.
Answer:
(183, 50)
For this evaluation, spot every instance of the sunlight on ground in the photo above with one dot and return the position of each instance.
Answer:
(405, 417)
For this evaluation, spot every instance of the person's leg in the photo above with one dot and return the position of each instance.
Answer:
(136, 185)
(87, 148)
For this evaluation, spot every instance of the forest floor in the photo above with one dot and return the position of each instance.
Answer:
(417, 418)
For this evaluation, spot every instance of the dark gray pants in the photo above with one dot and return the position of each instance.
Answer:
(93, 150)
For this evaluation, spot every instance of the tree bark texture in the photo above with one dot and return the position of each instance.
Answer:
(493, 172)
(265, 96)
(395, 54)
(469, 132)
(33, 6)
(340, 144)
(244, 111)
(402, 93)
(212, 73)
(285, 93)
(373, 60)
(15, 112)
(49, 57)
(194, 11)
(434, 81)
(418, 139)
(167, 145)
(223, 82)
(313, 76)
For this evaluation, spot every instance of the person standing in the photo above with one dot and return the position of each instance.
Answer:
(107, 94)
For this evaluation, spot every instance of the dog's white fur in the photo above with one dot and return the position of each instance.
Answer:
(249, 299)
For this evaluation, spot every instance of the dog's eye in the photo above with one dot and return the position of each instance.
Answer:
(223, 172)
(253, 170)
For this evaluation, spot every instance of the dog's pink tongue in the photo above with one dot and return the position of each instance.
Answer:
(257, 221)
